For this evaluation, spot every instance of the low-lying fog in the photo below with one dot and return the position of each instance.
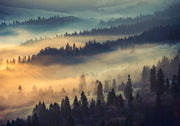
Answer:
(53, 78)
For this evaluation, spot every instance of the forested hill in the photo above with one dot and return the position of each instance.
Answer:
(167, 13)
(55, 20)
(128, 29)
(168, 34)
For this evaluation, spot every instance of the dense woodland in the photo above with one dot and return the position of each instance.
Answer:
(156, 103)
(167, 13)
(127, 29)
(169, 34)
(56, 20)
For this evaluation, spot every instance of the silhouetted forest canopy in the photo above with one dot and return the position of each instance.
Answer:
(169, 34)
(167, 14)
(55, 20)
(128, 29)
(156, 103)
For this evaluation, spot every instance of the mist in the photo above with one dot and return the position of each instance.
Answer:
(45, 83)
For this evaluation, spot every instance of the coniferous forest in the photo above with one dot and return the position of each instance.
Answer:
(90, 63)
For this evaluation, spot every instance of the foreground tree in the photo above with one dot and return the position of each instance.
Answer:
(128, 89)
(100, 95)
(111, 98)
(160, 87)
(84, 104)
(153, 78)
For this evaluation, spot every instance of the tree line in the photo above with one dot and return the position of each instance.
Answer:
(54, 20)
(153, 107)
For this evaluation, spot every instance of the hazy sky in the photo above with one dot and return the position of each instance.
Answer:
(76, 5)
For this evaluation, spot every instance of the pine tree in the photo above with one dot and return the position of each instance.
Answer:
(119, 101)
(158, 102)
(174, 87)
(75, 103)
(138, 98)
(145, 74)
(121, 87)
(92, 105)
(84, 104)
(178, 78)
(99, 106)
(29, 121)
(111, 98)
(100, 92)
(13, 123)
(8, 123)
(35, 120)
(67, 108)
(128, 89)
(19, 59)
(131, 99)
(62, 107)
(153, 78)
(82, 83)
(167, 86)
(114, 84)
(160, 82)
(106, 87)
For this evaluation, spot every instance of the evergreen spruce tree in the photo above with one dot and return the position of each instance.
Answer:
(100, 95)
(178, 79)
(128, 89)
(67, 108)
(84, 104)
(119, 101)
(13, 123)
(92, 105)
(153, 78)
(114, 84)
(29, 121)
(8, 123)
(106, 87)
(99, 106)
(75, 103)
(131, 99)
(82, 83)
(160, 87)
(35, 120)
(174, 87)
(62, 106)
(111, 98)
(167, 86)
(145, 74)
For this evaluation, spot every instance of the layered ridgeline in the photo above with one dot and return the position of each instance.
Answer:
(168, 13)
(169, 34)
(154, 102)
(41, 23)
(137, 25)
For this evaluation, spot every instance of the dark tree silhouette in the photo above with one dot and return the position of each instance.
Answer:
(128, 89)
(106, 87)
(84, 104)
(100, 92)
(114, 84)
(160, 82)
(111, 98)
(153, 78)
